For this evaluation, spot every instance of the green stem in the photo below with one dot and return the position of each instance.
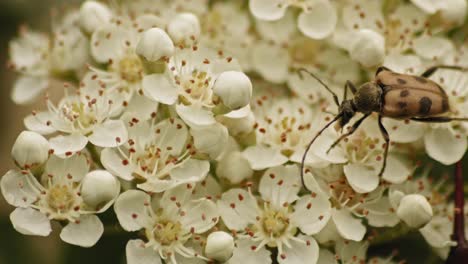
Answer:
(94, 154)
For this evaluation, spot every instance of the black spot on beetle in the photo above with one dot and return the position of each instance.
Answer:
(420, 79)
(401, 81)
(402, 105)
(404, 93)
(425, 106)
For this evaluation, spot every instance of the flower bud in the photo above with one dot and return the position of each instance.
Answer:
(98, 188)
(415, 210)
(219, 246)
(155, 44)
(183, 27)
(93, 15)
(234, 88)
(234, 167)
(30, 150)
(368, 48)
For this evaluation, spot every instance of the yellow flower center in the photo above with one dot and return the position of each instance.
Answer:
(131, 69)
(61, 198)
(166, 232)
(274, 223)
(196, 86)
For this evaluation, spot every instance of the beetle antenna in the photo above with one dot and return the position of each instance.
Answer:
(312, 142)
(335, 97)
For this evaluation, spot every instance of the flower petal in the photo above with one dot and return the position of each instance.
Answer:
(201, 215)
(138, 253)
(27, 88)
(280, 185)
(173, 135)
(160, 88)
(18, 189)
(140, 107)
(130, 210)
(195, 116)
(238, 209)
(246, 252)
(68, 144)
(191, 170)
(75, 167)
(273, 69)
(444, 146)
(261, 157)
(111, 133)
(311, 213)
(114, 163)
(396, 170)
(28, 221)
(38, 122)
(267, 9)
(349, 227)
(430, 47)
(326, 257)
(211, 140)
(84, 233)
(404, 131)
(318, 22)
(298, 252)
(108, 42)
(361, 178)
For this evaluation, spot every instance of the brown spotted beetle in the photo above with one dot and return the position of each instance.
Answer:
(390, 94)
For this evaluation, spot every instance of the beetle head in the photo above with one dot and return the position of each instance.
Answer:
(347, 111)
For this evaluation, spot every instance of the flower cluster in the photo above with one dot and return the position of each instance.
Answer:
(189, 119)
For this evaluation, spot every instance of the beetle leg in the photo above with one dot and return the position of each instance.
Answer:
(351, 86)
(433, 69)
(387, 143)
(438, 119)
(381, 68)
(350, 132)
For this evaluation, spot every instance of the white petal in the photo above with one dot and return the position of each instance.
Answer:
(299, 252)
(211, 140)
(326, 257)
(368, 48)
(245, 253)
(433, 47)
(428, 6)
(85, 233)
(380, 213)
(396, 171)
(38, 123)
(173, 134)
(238, 209)
(109, 134)
(160, 88)
(191, 170)
(200, 215)
(348, 226)
(140, 107)
(68, 144)
(443, 145)
(350, 251)
(363, 179)
(401, 63)
(28, 221)
(19, 189)
(404, 131)
(272, 68)
(323, 143)
(108, 42)
(318, 22)
(280, 185)
(130, 210)
(268, 9)
(75, 167)
(195, 116)
(311, 214)
(261, 157)
(137, 253)
(114, 163)
(28, 88)
(99, 189)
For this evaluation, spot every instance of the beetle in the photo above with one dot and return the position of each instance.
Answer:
(390, 94)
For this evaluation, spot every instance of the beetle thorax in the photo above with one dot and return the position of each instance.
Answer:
(368, 98)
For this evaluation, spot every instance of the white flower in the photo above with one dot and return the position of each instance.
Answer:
(234, 89)
(219, 246)
(368, 48)
(93, 15)
(30, 150)
(275, 220)
(57, 196)
(452, 11)
(317, 19)
(168, 224)
(414, 210)
(157, 156)
(184, 28)
(154, 45)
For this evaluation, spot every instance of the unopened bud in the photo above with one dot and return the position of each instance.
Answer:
(93, 15)
(30, 150)
(154, 45)
(98, 188)
(368, 48)
(415, 210)
(234, 167)
(234, 88)
(219, 246)
(183, 27)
